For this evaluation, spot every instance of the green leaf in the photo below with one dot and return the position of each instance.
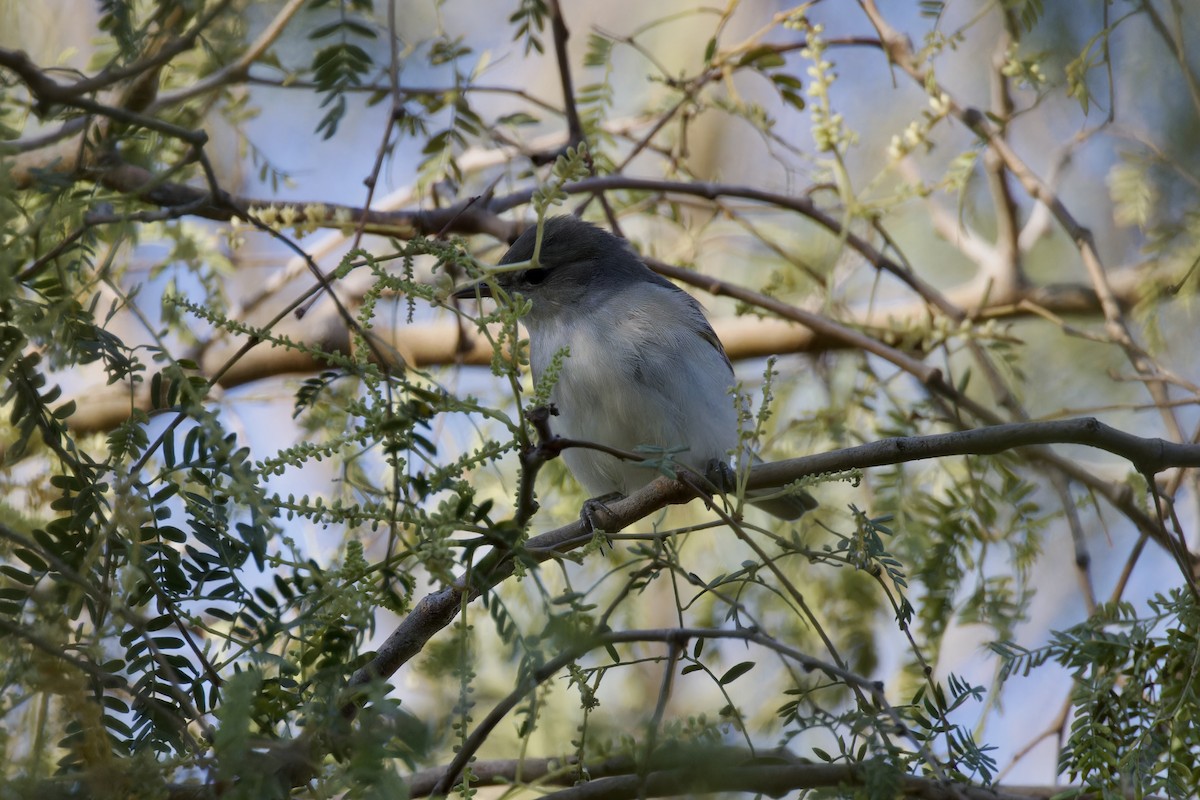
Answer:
(65, 410)
(517, 118)
(735, 672)
(31, 558)
(762, 57)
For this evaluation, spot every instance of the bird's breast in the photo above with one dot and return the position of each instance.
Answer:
(625, 387)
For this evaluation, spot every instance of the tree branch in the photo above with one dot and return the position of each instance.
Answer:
(48, 92)
(558, 27)
(437, 343)
(773, 780)
(566, 771)
(899, 50)
(436, 610)
(239, 68)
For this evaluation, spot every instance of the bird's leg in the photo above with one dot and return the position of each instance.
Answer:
(721, 475)
(596, 514)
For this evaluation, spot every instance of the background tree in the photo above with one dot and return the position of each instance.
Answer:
(267, 528)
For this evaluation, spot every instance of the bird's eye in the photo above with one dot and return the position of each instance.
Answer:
(536, 275)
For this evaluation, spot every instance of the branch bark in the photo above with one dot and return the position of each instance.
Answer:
(438, 343)
(566, 772)
(435, 611)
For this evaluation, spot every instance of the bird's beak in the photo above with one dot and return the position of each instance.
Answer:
(472, 290)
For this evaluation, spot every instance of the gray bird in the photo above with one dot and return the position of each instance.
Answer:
(645, 367)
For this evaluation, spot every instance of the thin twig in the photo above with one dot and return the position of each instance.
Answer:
(558, 28)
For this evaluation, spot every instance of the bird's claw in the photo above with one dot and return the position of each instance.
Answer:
(721, 475)
(596, 514)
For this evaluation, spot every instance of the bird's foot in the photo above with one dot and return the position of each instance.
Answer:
(720, 475)
(596, 514)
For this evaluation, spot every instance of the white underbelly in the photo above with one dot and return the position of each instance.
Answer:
(602, 398)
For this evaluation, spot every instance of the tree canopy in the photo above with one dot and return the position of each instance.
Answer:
(281, 517)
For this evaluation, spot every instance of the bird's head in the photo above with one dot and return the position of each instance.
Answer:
(578, 264)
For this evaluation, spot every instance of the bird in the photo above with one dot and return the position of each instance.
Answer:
(644, 368)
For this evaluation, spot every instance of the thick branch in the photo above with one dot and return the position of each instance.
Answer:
(684, 770)
(446, 343)
(566, 771)
(439, 343)
(438, 609)
(48, 93)
(1148, 456)
(773, 780)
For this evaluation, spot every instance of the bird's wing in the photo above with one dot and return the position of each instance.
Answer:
(693, 317)
(706, 332)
